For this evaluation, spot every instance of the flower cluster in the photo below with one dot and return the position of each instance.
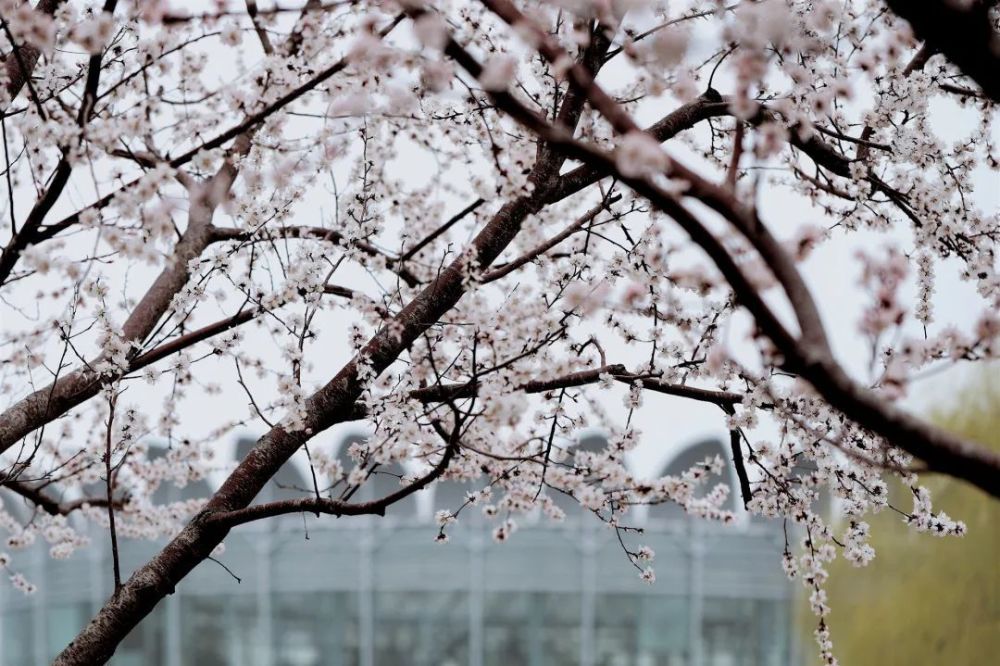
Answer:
(358, 215)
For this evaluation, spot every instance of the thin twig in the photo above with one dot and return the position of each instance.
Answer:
(109, 486)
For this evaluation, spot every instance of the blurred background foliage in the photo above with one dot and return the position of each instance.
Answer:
(925, 599)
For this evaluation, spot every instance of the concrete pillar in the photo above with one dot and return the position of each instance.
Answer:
(696, 591)
(477, 596)
(588, 593)
(366, 598)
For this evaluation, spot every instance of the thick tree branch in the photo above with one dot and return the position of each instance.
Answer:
(72, 389)
(962, 31)
(807, 357)
(341, 507)
(19, 67)
(249, 124)
(334, 402)
(50, 402)
(28, 233)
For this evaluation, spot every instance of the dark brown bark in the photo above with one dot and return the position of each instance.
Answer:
(334, 402)
(19, 68)
(28, 234)
(52, 401)
(337, 400)
(808, 356)
(965, 35)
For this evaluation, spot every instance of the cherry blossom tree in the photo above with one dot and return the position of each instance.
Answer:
(444, 221)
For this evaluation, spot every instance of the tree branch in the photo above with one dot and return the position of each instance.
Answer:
(808, 358)
(338, 508)
(333, 402)
(964, 32)
(53, 507)
(542, 248)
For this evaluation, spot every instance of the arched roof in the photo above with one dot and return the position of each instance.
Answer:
(167, 492)
(592, 442)
(687, 458)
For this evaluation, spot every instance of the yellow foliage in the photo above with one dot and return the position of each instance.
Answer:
(925, 599)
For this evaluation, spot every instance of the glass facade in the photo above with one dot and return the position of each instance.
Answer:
(379, 591)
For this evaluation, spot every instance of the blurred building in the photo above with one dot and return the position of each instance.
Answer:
(380, 592)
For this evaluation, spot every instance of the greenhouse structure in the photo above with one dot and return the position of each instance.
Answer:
(380, 592)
